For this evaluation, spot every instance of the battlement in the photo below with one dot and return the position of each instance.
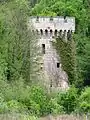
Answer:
(53, 23)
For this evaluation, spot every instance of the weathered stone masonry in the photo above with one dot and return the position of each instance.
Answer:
(47, 29)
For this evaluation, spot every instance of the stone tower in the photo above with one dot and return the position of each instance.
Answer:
(48, 29)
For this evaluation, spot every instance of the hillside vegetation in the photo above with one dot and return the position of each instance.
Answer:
(20, 90)
(80, 9)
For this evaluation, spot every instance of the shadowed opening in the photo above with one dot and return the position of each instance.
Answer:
(65, 19)
(69, 35)
(37, 19)
(64, 32)
(51, 32)
(60, 32)
(43, 48)
(41, 31)
(51, 18)
(46, 32)
(58, 65)
(55, 32)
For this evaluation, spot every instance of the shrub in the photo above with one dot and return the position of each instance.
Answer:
(84, 101)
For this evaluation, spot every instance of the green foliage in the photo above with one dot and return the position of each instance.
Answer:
(54, 107)
(80, 10)
(84, 101)
(66, 51)
(17, 43)
(68, 100)
(18, 61)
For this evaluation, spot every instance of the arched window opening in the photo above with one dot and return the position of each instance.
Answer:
(46, 32)
(69, 35)
(43, 48)
(41, 31)
(55, 32)
(51, 32)
(60, 32)
(64, 31)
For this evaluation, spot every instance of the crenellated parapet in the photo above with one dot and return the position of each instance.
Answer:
(54, 34)
(62, 27)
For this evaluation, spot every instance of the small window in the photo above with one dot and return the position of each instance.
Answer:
(43, 48)
(58, 65)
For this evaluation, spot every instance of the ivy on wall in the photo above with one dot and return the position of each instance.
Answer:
(66, 51)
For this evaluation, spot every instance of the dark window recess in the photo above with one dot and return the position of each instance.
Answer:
(58, 65)
(43, 48)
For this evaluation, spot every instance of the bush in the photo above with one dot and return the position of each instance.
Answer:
(68, 99)
(84, 101)
(54, 107)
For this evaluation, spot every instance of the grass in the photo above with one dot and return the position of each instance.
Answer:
(15, 116)
(66, 117)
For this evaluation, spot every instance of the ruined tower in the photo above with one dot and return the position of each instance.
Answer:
(48, 29)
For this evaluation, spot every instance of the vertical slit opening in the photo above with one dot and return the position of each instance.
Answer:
(58, 65)
(55, 32)
(69, 35)
(41, 31)
(37, 19)
(65, 19)
(43, 48)
(51, 32)
(51, 18)
(46, 32)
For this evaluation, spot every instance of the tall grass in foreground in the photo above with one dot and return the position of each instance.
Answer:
(16, 117)
(26, 117)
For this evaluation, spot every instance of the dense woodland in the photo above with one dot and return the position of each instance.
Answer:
(19, 69)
